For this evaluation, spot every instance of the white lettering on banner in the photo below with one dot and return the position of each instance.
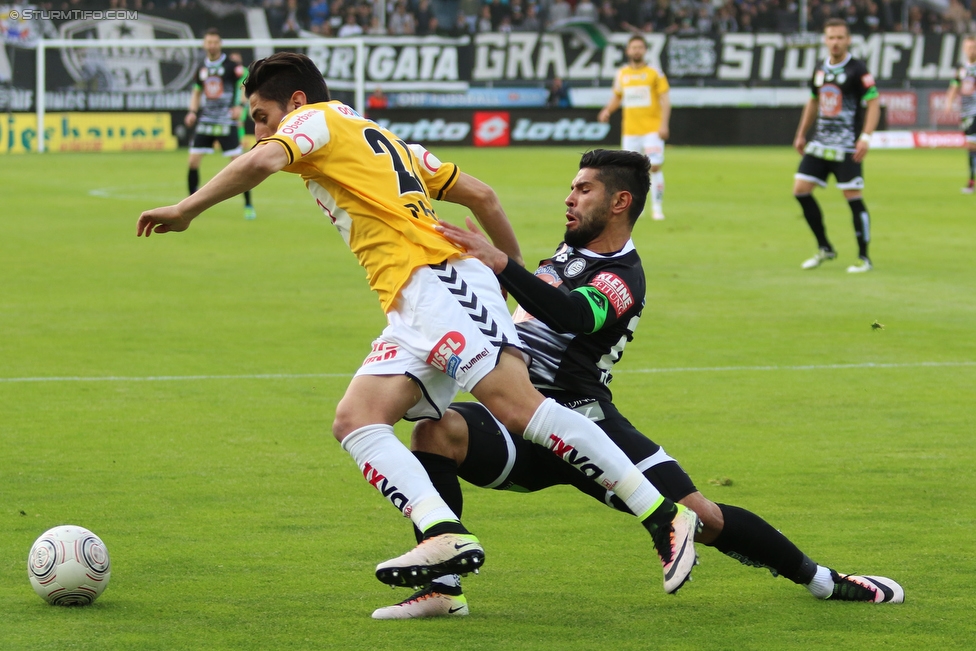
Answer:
(489, 59)
(768, 44)
(520, 49)
(891, 52)
(428, 130)
(551, 55)
(572, 130)
(916, 69)
(737, 50)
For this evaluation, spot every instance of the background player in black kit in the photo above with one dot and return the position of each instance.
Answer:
(577, 313)
(846, 108)
(215, 110)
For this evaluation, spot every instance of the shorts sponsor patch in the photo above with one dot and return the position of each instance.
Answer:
(381, 351)
(444, 357)
(615, 289)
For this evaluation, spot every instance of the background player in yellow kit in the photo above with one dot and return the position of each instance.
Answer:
(643, 93)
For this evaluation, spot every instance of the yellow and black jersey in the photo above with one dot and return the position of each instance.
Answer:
(373, 187)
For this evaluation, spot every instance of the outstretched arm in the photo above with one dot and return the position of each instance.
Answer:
(561, 311)
(242, 174)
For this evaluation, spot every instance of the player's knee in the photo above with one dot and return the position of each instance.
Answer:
(709, 514)
(346, 420)
(447, 437)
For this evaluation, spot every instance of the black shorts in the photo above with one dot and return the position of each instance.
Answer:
(497, 459)
(847, 172)
(203, 143)
(969, 127)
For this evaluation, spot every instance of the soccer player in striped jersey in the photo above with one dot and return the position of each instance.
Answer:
(845, 107)
(964, 85)
(576, 314)
(449, 326)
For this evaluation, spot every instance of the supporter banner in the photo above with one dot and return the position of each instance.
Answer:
(499, 128)
(434, 63)
(87, 132)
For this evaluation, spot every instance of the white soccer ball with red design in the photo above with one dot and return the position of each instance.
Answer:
(69, 566)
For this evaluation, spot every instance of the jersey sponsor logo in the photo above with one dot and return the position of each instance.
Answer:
(213, 87)
(382, 351)
(575, 268)
(383, 485)
(571, 455)
(297, 121)
(491, 129)
(831, 101)
(615, 289)
(348, 111)
(430, 162)
(444, 357)
(818, 79)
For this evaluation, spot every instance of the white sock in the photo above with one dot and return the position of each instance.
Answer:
(822, 585)
(657, 191)
(577, 440)
(393, 470)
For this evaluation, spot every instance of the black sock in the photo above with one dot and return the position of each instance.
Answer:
(444, 477)
(862, 226)
(752, 541)
(811, 212)
(972, 166)
(247, 197)
(193, 180)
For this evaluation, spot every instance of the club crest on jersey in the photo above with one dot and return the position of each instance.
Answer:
(548, 273)
(615, 289)
(444, 357)
(575, 268)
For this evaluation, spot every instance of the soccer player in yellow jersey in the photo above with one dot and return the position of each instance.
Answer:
(644, 94)
(448, 324)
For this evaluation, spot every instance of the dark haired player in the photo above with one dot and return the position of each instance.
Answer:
(449, 326)
(215, 110)
(846, 108)
(576, 314)
(964, 85)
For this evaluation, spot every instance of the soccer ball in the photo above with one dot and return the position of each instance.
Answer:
(69, 566)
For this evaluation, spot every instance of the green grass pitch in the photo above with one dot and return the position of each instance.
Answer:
(175, 395)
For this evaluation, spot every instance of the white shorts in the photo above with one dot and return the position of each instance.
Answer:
(650, 144)
(446, 331)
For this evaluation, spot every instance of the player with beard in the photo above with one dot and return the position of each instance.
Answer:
(448, 324)
(846, 109)
(644, 94)
(576, 314)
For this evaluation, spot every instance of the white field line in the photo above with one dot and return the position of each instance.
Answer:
(302, 376)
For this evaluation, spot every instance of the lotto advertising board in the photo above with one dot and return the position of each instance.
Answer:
(101, 132)
(500, 128)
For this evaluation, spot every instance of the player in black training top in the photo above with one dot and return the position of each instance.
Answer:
(584, 303)
(846, 109)
(215, 110)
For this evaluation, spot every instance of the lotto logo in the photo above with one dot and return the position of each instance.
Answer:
(445, 353)
(491, 129)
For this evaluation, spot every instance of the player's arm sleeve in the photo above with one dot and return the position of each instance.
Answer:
(561, 311)
(302, 132)
(438, 177)
(662, 83)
